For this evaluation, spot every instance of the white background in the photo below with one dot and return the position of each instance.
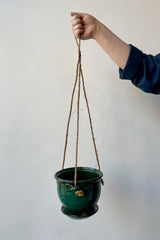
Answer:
(38, 57)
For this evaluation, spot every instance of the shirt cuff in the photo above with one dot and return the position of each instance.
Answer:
(132, 65)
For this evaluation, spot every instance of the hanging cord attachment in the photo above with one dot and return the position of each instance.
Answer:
(80, 79)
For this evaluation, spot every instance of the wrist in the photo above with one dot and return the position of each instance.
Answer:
(98, 29)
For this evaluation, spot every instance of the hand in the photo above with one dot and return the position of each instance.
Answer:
(84, 25)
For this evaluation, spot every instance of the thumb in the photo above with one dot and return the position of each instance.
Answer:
(78, 14)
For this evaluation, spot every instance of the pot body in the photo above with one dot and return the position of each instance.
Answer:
(81, 200)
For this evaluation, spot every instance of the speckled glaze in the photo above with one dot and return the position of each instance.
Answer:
(80, 201)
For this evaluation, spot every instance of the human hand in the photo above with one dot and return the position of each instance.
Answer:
(84, 26)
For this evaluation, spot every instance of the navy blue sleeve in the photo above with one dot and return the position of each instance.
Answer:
(143, 70)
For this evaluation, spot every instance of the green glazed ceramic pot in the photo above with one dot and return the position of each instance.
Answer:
(80, 201)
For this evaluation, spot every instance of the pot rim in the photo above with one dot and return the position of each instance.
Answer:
(99, 175)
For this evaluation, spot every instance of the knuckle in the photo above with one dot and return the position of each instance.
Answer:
(73, 18)
(78, 31)
(75, 22)
(77, 17)
(78, 26)
(74, 28)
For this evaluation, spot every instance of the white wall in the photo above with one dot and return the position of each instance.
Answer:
(37, 68)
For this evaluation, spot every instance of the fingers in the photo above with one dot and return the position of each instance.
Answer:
(75, 20)
(78, 33)
(77, 25)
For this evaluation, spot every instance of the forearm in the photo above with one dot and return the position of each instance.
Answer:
(117, 49)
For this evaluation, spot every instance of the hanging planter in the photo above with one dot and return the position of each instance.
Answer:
(79, 201)
(79, 188)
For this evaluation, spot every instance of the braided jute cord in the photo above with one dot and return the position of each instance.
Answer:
(79, 77)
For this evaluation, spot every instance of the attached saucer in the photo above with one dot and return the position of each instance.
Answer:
(80, 214)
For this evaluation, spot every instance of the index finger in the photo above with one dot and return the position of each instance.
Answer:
(75, 17)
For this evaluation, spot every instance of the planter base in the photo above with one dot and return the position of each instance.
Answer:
(80, 214)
